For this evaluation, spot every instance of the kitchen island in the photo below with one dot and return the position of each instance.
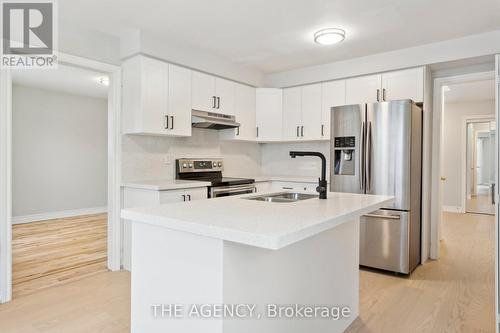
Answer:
(237, 265)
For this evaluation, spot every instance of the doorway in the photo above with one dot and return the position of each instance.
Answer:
(480, 167)
(59, 177)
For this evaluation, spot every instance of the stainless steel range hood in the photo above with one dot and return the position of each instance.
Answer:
(210, 120)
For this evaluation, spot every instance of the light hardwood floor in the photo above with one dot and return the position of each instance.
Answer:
(454, 294)
(49, 253)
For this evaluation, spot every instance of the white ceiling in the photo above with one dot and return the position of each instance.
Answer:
(276, 35)
(67, 79)
(471, 92)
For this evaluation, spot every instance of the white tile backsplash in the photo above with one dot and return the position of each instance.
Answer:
(143, 157)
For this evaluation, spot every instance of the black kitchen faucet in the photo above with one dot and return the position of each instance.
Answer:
(322, 187)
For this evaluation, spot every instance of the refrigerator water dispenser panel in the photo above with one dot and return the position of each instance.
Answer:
(344, 155)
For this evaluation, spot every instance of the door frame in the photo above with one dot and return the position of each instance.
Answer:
(468, 119)
(437, 129)
(497, 191)
(114, 167)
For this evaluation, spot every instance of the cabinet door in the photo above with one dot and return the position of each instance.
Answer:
(365, 89)
(245, 112)
(154, 83)
(224, 91)
(311, 112)
(333, 95)
(263, 187)
(292, 114)
(203, 92)
(179, 101)
(172, 196)
(196, 193)
(406, 84)
(269, 114)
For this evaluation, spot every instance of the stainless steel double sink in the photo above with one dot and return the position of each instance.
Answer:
(282, 197)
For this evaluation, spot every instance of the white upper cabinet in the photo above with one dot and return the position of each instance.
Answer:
(292, 113)
(153, 102)
(302, 113)
(364, 89)
(179, 101)
(311, 112)
(212, 94)
(269, 114)
(333, 95)
(405, 84)
(203, 93)
(224, 92)
(245, 113)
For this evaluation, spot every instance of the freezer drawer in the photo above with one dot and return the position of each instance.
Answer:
(384, 240)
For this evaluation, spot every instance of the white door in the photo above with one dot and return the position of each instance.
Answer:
(405, 84)
(203, 92)
(244, 109)
(311, 111)
(333, 95)
(179, 101)
(172, 196)
(196, 193)
(154, 85)
(269, 113)
(224, 92)
(364, 89)
(292, 113)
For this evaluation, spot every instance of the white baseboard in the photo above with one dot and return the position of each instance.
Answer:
(58, 215)
(453, 209)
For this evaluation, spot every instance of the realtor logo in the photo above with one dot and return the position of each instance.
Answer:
(28, 34)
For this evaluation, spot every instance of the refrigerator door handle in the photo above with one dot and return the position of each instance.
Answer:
(362, 158)
(368, 167)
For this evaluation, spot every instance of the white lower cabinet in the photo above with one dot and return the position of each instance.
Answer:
(133, 197)
(263, 187)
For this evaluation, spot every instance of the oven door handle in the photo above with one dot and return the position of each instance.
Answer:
(233, 189)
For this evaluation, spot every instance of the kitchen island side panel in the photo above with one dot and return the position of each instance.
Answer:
(320, 270)
(173, 267)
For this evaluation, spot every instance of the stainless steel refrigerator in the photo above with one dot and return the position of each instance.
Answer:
(377, 149)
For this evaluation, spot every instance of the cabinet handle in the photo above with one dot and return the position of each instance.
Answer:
(172, 124)
(214, 102)
(287, 188)
(257, 131)
(218, 102)
(298, 131)
(302, 131)
(378, 95)
(322, 130)
(165, 122)
(237, 131)
(189, 197)
(383, 94)
(183, 197)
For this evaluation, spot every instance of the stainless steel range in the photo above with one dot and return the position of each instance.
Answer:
(210, 169)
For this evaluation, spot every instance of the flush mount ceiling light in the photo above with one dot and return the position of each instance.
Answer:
(329, 36)
(104, 80)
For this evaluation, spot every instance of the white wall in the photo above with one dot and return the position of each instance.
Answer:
(276, 159)
(144, 157)
(452, 145)
(461, 48)
(59, 151)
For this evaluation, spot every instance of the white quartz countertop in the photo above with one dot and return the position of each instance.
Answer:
(293, 179)
(258, 223)
(164, 185)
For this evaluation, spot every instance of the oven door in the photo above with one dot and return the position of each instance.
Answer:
(225, 191)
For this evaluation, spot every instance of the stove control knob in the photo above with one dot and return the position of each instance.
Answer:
(220, 164)
(190, 165)
(184, 165)
(214, 164)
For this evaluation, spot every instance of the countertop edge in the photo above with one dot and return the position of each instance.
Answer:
(251, 239)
